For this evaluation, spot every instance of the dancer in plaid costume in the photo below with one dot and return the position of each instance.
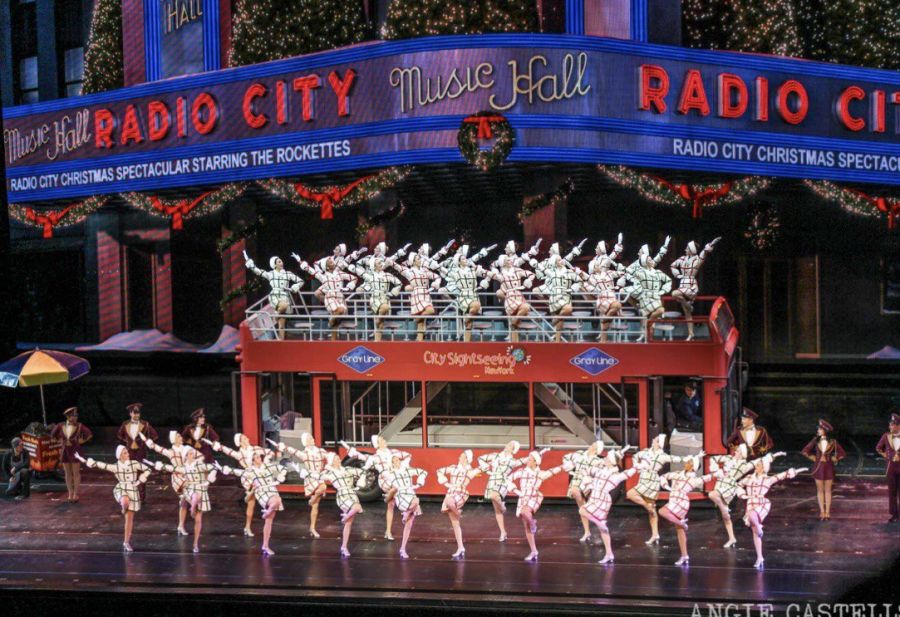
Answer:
(647, 489)
(333, 287)
(400, 478)
(420, 281)
(130, 475)
(607, 261)
(174, 454)
(340, 258)
(380, 461)
(381, 286)
(263, 476)
(198, 475)
(728, 470)
(633, 290)
(512, 280)
(559, 280)
(244, 456)
(498, 466)
(599, 481)
(380, 252)
(651, 285)
(281, 282)
(685, 269)
(344, 480)
(679, 484)
(71, 435)
(578, 464)
(529, 482)
(753, 488)
(456, 478)
(313, 458)
(602, 281)
(462, 282)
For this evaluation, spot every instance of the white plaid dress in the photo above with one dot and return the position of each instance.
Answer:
(686, 268)
(333, 288)
(378, 285)
(582, 463)
(510, 279)
(462, 282)
(651, 286)
(648, 482)
(313, 458)
(601, 482)
(456, 478)
(728, 477)
(344, 482)
(420, 280)
(174, 456)
(604, 285)
(498, 466)
(529, 484)
(244, 457)
(680, 484)
(280, 283)
(558, 286)
(402, 480)
(264, 480)
(381, 461)
(756, 487)
(129, 477)
(196, 482)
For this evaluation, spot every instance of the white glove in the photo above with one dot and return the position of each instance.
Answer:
(485, 284)
(353, 453)
(666, 243)
(144, 437)
(568, 465)
(543, 451)
(361, 483)
(217, 447)
(90, 462)
(249, 264)
(778, 454)
(395, 291)
(528, 282)
(351, 286)
(212, 476)
(304, 265)
(436, 285)
(576, 250)
(158, 465)
(227, 470)
(297, 257)
(296, 287)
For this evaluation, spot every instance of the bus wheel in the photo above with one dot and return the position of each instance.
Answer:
(371, 491)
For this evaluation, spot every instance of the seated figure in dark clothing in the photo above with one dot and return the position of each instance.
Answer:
(689, 409)
(16, 466)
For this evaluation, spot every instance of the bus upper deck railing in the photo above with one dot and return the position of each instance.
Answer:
(309, 320)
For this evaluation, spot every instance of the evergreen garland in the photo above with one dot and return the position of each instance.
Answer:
(104, 66)
(242, 233)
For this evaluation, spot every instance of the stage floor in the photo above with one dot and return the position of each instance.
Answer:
(47, 545)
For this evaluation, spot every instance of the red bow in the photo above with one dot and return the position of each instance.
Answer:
(330, 198)
(484, 124)
(177, 211)
(697, 198)
(48, 220)
(891, 208)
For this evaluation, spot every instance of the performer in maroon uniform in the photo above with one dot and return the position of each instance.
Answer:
(825, 452)
(128, 437)
(756, 437)
(73, 434)
(194, 433)
(889, 448)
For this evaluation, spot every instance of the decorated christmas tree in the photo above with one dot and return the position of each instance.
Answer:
(270, 29)
(103, 63)
(411, 18)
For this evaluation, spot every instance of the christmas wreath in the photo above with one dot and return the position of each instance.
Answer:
(484, 126)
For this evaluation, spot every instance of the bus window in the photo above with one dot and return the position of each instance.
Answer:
(478, 415)
(572, 415)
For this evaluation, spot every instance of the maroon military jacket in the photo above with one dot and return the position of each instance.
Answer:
(137, 449)
(886, 449)
(207, 432)
(71, 445)
(760, 446)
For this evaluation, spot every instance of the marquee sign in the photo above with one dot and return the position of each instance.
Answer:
(568, 98)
